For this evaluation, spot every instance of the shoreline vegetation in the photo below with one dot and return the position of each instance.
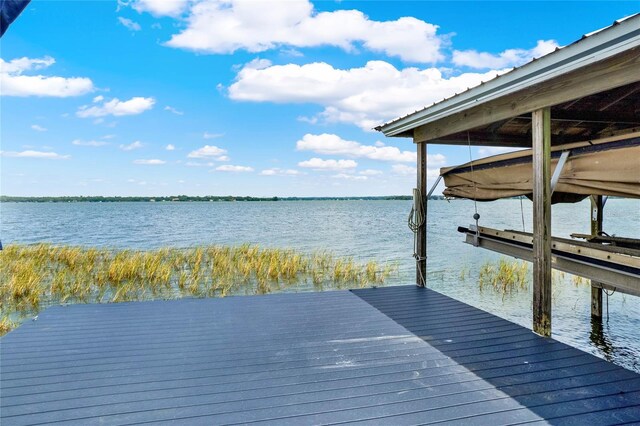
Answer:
(190, 198)
(33, 277)
(181, 198)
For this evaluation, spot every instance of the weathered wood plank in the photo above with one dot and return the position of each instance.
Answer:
(421, 237)
(541, 134)
(596, 228)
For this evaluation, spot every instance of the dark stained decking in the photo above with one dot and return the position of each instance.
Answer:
(397, 355)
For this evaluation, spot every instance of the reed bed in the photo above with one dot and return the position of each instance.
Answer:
(35, 276)
(505, 277)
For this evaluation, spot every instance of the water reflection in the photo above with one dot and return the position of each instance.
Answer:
(601, 340)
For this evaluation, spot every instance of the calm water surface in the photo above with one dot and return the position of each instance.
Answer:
(364, 230)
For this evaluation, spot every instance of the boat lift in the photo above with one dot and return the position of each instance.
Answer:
(612, 267)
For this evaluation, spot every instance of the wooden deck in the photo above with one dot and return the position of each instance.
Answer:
(398, 355)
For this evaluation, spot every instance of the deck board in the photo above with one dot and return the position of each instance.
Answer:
(396, 355)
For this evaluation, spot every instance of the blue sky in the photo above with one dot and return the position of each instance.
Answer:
(209, 97)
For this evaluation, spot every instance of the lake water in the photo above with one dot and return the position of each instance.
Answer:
(364, 230)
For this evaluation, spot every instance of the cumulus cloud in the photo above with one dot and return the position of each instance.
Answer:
(331, 165)
(93, 143)
(170, 147)
(366, 96)
(370, 172)
(38, 128)
(171, 8)
(508, 58)
(116, 107)
(129, 24)
(404, 170)
(151, 162)
(173, 110)
(47, 155)
(209, 152)
(329, 144)
(234, 169)
(132, 146)
(279, 172)
(225, 26)
(347, 176)
(15, 83)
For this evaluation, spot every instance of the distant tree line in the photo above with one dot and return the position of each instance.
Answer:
(183, 198)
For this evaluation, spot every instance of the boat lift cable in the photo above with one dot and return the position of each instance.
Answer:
(608, 294)
(476, 216)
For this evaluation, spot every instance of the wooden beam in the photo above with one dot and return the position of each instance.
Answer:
(614, 72)
(627, 117)
(421, 237)
(480, 138)
(541, 135)
(596, 228)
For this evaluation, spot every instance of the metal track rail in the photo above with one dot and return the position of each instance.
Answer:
(615, 270)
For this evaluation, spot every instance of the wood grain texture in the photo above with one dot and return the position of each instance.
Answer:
(541, 134)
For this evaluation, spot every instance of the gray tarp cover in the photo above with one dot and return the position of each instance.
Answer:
(603, 167)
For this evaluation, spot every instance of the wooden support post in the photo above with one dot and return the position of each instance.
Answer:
(541, 133)
(421, 237)
(596, 227)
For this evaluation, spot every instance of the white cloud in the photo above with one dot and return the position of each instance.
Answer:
(329, 144)
(508, 58)
(404, 170)
(38, 128)
(198, 164)
(208, 135)
(80, 142)
(365, 96)
(35, 154)
(234, 169)
(132, 146)
(347, 176)
(152, 162)
(173, 110)
(335, 165)
(370, 172)
(209, 151)
(116, 107)
(279, 172)
(225, 26)
(14, 83)
(172, 8)
(310, 120)
(170, 147)
(108, 137)
(129, 24)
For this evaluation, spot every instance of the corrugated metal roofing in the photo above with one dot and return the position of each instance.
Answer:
(622, 35)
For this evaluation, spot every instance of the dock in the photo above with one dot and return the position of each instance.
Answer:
(388, 356)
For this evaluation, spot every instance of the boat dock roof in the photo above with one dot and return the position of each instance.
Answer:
(396, 355)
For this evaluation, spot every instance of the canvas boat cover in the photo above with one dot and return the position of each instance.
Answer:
(601, 167)
(9, 11)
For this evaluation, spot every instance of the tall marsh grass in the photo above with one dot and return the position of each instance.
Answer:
(505, 277)
(35, 276)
